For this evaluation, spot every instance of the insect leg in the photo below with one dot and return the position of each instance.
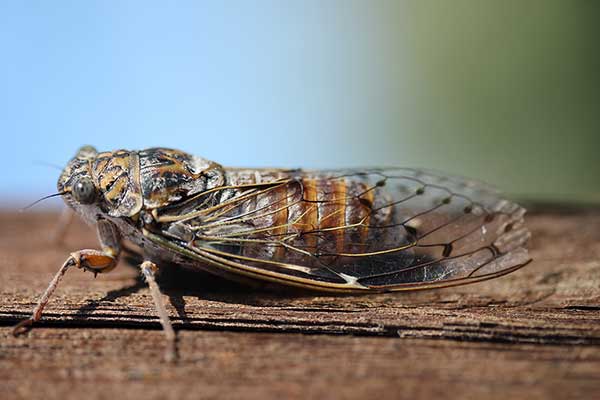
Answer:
(149, 270)
(96, 261)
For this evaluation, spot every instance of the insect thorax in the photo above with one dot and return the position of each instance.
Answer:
(151, 178)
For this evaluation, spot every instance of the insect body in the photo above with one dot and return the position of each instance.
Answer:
(349, 231)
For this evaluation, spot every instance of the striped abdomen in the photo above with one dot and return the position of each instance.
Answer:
(325, 213)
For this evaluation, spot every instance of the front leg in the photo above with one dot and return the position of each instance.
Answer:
(96, 261)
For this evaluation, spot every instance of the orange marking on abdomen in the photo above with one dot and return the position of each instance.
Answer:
(332, 210)
(280, 226)
(279, 206)
(309, 219)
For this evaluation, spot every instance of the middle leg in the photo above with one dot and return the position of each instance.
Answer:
(149, 270)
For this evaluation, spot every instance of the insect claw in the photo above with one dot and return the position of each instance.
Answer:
(22, 327)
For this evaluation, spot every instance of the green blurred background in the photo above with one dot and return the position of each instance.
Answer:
(507, 91)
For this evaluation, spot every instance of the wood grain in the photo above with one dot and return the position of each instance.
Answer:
(532, 334)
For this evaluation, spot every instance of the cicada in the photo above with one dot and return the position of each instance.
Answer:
(346, 231)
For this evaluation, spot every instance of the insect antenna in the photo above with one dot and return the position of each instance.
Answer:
(42, 199)
(48, 164)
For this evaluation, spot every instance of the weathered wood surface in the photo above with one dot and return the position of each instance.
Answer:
(532, 334)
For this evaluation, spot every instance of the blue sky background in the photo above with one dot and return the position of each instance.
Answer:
(502, 93)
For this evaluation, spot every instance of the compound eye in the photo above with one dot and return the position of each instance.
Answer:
(84, 191)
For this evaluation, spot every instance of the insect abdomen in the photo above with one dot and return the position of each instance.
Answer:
(324, 213)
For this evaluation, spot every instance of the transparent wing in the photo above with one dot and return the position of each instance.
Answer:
(377, 229)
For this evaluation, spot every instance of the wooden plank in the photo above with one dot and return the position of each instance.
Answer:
(534, 332)
(117, 363)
